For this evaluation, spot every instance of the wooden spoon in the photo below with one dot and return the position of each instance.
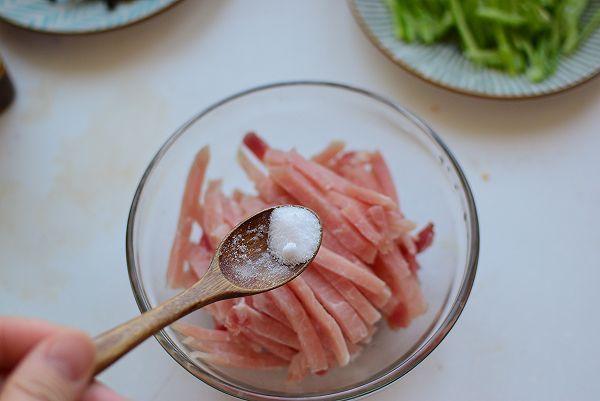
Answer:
(226, 278)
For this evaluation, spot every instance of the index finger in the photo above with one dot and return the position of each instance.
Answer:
(18, 336)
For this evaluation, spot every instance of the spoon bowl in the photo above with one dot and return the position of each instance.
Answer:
(246, 261)
(242, 265)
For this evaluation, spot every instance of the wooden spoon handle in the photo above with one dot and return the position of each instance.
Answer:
(113, 344)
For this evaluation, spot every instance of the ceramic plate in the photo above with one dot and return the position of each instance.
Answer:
(443, 64)
(77, 16)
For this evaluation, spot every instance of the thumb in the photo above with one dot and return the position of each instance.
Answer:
(58, 369)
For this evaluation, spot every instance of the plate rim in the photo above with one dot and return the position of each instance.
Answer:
(375, 41)
(89, 31)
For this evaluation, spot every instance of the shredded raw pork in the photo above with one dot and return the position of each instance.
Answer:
(366, 267)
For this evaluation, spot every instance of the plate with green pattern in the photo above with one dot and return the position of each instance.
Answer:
(78, 16)
(443, 64)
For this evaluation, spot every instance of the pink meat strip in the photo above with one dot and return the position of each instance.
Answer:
(424, 238)
(329, 153)
(415, 301)
(176, 274)
(421, 241)
(193, 185)
(348, 158)
(199, 257)
(399, 317)
(310, 343)
(237, 195)
(240, 344)
(232, 211)
(354, 167)
(349, 321)
(256, 144)
(411, 259)
(326, 180)
(322, 176)
(264, 304)
(189, 212)
(200, 333)
(245, 360)
(301, 189)
(374, 298)
(377, 215)
(266, 188)
(384, 177)
(355, 214)
(331, 359)
(233, 347)
(243, 315)
(359, 276)
(220, 310)
(214, 224)
(298, 368)
(381, 180)
(359, 176)
(330, 242)
(275, 348)
(398, 224)
(331, 332)
(245, 341)
(343, 201)
(407, 294)
(393, 268)
(275, 157)
(354, 349)
(353, 296)
(408, 242)
(363, 225)
(394, 302)
(251, 205)
(372, 331)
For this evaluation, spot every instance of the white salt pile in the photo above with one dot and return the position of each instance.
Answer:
(291, 236)
(294, 234)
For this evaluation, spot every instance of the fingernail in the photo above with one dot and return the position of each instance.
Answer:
(71, 354)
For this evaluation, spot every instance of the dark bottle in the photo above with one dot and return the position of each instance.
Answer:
(7, 91)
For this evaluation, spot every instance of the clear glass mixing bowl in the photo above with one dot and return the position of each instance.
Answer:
(307, 115)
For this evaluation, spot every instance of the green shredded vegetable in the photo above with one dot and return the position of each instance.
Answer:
(515, 36)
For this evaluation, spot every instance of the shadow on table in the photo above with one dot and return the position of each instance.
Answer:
(94, 53)
(515, 118)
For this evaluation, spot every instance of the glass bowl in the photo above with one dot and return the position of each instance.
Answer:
(307, 115)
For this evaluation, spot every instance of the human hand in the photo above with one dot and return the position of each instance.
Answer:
(43, 362)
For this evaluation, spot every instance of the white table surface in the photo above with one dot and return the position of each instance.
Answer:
(92, 110)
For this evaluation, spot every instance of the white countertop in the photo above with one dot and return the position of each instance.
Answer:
(92, 110)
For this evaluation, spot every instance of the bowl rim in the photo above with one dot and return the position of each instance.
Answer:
(375, 41)
(384, 379)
